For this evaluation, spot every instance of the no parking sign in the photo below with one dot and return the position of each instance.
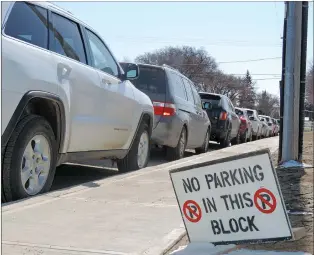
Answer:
(232, 200)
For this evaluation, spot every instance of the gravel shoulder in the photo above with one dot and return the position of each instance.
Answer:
(297, 189)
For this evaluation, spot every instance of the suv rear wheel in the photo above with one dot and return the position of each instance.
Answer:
(138, 154)
(205, 145)
(178, 151)
(236, 140)
(29, 160)
(226, 141)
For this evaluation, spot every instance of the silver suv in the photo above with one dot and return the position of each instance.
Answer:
(65, 98)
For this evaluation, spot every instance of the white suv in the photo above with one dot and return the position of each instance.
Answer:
(257, 126)
(65, 98)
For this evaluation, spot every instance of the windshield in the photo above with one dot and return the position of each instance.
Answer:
(250, 113)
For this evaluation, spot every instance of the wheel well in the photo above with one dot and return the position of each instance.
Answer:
(187, 131)
(48, 109)
(148, 119)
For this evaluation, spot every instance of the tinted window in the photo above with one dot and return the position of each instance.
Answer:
(102, 58)
(177, 85)
(239, 112)
(214, 100)
(197, 98)
(188, 90)
(151, 80)
(28, 23)
(250, 113)
(67, 38)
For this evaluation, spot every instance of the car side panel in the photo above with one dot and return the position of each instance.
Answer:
(19, 77)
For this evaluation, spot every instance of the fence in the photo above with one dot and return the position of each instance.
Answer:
(308, 126)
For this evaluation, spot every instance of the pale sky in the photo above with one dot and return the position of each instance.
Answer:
(229, 31)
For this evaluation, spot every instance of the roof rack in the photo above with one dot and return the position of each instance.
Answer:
(58, 7)
(171, 67)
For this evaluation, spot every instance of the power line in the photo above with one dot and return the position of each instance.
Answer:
(229, 62)
(250, 60)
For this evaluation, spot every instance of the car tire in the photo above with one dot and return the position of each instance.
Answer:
(178, 151)
(39, 162)
(224, 143)
(236, 140)
(244, 138)
(205, 145)
(141, 144)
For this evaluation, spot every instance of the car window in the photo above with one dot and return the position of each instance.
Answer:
(214, 100)
(67, 38)
(28, 23)
(197, 98)
(239, 112)
(102, 58)
(177, 85)
(188, 90)
(151, 80)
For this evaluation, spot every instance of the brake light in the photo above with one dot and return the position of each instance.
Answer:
(164, 109)
(243, 119)
(223, 116)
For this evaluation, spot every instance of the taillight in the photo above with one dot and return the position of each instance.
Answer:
(164, 109)
(243, 119)
(223, 116)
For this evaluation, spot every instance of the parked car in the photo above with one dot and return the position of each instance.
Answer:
(265, 128)
(275, 126)
(245, 125)
(225, 122)
(257, 125)
(180, 121)
(65, 99)
(269, 124)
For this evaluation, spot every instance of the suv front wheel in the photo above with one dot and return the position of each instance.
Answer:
(138, 154)
(29, 160)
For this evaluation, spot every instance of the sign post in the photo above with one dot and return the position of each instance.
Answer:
(232, 200)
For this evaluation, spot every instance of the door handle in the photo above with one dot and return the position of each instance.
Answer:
(104, 81)
(63, 70)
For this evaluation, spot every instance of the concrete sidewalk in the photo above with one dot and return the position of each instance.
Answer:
(134, 213)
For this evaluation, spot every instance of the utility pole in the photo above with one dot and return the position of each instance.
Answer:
(290, 132)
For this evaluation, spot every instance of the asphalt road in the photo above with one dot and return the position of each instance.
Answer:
(70, 175)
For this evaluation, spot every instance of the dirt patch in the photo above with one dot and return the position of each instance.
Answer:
(297, 188)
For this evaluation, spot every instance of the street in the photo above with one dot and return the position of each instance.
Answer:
(70, 175)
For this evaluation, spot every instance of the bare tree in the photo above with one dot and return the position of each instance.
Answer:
(190, 61)
(309, 89)
(126, 60)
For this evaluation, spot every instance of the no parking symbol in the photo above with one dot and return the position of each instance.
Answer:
(265, 201)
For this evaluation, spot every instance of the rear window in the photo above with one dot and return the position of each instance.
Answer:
(214, 100)
(239, 112)
(250, 113)
(151, 80)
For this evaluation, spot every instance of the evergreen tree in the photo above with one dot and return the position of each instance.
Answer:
(247, 94)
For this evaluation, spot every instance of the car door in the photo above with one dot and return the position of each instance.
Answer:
(193, 123)
(78, 86)
(202, 118)
(118, 100)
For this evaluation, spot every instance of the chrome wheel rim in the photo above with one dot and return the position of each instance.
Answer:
(142, 151)
(35, 165)
(182, 143)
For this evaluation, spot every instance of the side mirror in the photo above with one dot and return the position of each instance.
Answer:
(131, 71)
(251, 118)
(206, 106)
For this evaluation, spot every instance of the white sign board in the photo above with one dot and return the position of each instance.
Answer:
(232, 200)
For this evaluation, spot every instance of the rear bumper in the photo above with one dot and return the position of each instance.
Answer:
(218, 131)
(167, 132)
